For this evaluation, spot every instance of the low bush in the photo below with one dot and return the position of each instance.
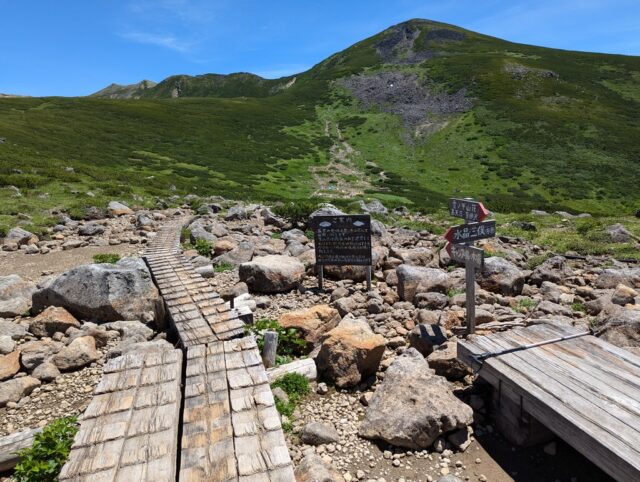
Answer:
(43, 461)
(290, 344)
(203, 247)
(296, 386)
(109, 258)
(297, 213)
(223, 267)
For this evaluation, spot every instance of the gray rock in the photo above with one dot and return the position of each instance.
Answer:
(553, 269)
(413, 406)
(91, 229)
(318, 433)
(611, 278)
(13, 390)
(621, 328)
(218, 230)
(327, 210)
(502, 276)
(432, 300)
(20, 237)
(72, 244)
(6, 344)
(618, 233)
(294, 235)
(236, 213)
(80, 352)
(624, 295)
(46, 372)
(15, 296)
(127, 329)
(105, 292)
(199, 233)
(444, 360)
(424, 338)
(272, 274)
(313, 469)
(373, 206)
(117, 208)
(14, 330)
(241, 254)
(270, 219)
(417, 279)
(280, 394)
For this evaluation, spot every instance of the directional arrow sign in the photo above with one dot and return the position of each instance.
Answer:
(466, 233)
(470, 211)
(466, 254)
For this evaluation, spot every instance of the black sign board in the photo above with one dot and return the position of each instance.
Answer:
(342, 240)
(466, 233)
(467, 209)
(466, 254)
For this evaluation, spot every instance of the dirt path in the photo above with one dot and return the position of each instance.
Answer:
(31, 266)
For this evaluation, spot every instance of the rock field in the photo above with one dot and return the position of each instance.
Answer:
(392, 402)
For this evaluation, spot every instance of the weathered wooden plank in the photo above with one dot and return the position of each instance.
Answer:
(13, 443)
(556, 411)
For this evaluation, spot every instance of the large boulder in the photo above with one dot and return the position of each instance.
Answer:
(554, 269)
(13, 390)
(35, 353)
(444, 360)
(15, 296)
(105, 292)
(313, 469)
(91, 229)
(418, 279)
(116, 208)
(413, 256)
(413, 406)
(272, 274)
(425, 337)
(80, 352)
(502, 276)
(618, 233)
(236, 256)
(318, 433)
(350, 353)
(20, 237)
(311, 323)
(199, 233)
(53, 319)
(611, 278)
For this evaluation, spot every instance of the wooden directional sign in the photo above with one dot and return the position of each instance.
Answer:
(467, 233)
(467, 209)
(343, 240)
(466, 254)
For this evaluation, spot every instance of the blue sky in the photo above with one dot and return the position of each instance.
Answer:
(75, 47)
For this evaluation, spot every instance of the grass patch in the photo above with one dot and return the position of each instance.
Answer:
(223, 267)
(296, 386)
(43, 461)
(203, 247)
(525, 305)
(108, 258)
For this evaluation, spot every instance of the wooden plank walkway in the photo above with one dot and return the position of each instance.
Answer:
(583, 389)
(203, 413)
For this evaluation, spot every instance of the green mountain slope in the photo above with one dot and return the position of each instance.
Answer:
(413, 115)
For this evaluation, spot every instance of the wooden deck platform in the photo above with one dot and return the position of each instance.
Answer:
(583, 389)
(201, 413)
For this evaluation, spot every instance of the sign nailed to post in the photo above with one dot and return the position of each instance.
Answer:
(460, 246)
(466, 233)
(467, 209)
(466, 254)
(342, 241)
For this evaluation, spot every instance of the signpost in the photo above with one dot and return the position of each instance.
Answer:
(460, 246)
(342, 240)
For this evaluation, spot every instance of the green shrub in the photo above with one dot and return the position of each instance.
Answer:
(109, 258)
(185, 235)
(203, 247)
(43, 461)
(578, 307)
(296, 386)
(289, 342)
(4, 229)
(525, 304)
(534, 261)
(223, 267)
(297, 213)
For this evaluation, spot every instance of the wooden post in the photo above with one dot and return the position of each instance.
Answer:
(320, 276)
(369, 278)
(270, 348)
(470, 273)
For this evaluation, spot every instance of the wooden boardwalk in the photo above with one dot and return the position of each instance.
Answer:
(201, 413)
(583, 389)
